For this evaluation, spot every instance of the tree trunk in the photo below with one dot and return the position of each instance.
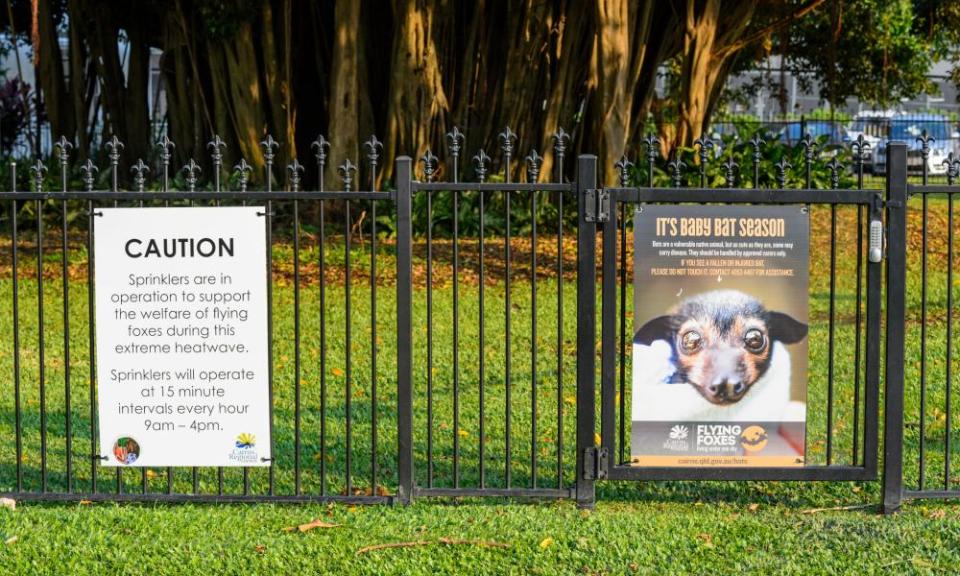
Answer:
(344, 87)
(418, 101)
(50, 72)
(78, 80)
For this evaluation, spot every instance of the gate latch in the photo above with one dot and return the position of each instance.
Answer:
(876, 241)
(595, 463)
(597, 205)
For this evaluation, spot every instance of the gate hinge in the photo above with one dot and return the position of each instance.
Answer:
(597, 205)
(595, 463)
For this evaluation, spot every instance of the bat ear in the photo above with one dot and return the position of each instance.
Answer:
(785, 329)
(660, 328)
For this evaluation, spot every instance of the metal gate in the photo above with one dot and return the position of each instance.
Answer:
(845, 370)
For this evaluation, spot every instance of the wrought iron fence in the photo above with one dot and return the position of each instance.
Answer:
(477, 374)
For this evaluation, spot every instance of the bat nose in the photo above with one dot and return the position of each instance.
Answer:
(727, 388)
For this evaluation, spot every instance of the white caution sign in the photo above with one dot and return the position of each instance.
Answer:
(182, 343)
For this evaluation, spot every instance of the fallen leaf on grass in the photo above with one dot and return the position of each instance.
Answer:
(836, 508)
(753, 507)
(443, 541)
(8, 503)
(481, 543)
(310, 526)
(260, 548)
(546, 543)
(388, 545)
(11, 540)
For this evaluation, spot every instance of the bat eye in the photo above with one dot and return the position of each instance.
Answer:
(754, 340)
(691, 341)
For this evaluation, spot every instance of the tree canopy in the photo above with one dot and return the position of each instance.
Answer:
(411, 70)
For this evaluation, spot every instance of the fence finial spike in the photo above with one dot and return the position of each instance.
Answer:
(114, 145)
(676, 167)
(215, 145)
(835, 167)
(346, 171)
(63, 147)
(429, 165)
(373, 147)
(39, 169)
(242, 170)
(809, 147)
(705, 144)
(269, 146)
(534, 161)
(953, 167)
(782, 166)
(320, 146)
(730, 171)
(623, 166)
(89, 170)
(455, 140)
(925, 141)
(480, 165)
(295, 169)
(192, 170)
(139, 174)
(560, 140)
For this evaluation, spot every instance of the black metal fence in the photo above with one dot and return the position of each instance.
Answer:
(468, 358)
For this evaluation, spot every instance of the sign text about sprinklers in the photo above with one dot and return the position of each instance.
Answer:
(181, 327)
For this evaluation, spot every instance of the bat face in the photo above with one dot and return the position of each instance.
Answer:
(722, 342)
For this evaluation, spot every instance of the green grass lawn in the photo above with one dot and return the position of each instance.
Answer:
(679, 527)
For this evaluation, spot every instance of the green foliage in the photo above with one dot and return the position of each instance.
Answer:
(867, 49)
(521, 211)
(741, 152)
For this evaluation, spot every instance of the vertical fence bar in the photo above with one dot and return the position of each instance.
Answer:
(610, 313)
(373, 146)
(560, 150)
(586, 328)
(38, 174)
(456, 339)
(373, 345)
(831, 330)
(15, 264)
(858, 317)
(896, 325)
(925, 150)
(321, 145)
(507, 138)
(348, 350)
(481, 171)
(949, 384)
(872, 355)
(269, 145)
(429, 338)
(294, 173)
(623, 167)
(479, 160)
(533, 174)
(88, 170)
(166, 147)
(64, 147)
(404, 332)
